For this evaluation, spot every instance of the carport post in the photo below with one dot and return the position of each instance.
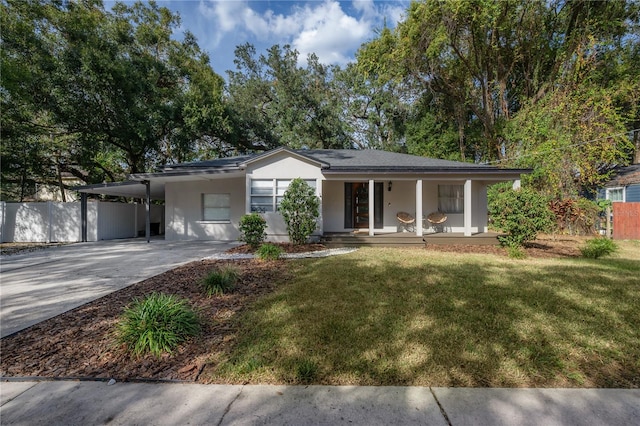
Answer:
(148, 210)
(83, 216)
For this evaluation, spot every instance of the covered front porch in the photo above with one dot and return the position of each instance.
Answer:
(399, 203)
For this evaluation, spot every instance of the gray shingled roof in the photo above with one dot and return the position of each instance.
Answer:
(625, 176)
(369, 159)
(218, 162)
(346, 160)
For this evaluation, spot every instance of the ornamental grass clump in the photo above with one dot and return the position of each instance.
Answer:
(269, 252)
(156, 324)
(219, 281)
(598, 247)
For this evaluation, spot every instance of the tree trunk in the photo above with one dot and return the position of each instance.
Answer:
(636, 144)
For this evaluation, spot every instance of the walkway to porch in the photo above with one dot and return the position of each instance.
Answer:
(406, 239)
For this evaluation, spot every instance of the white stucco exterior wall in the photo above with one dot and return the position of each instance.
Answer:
(283, 166)
(183, 209)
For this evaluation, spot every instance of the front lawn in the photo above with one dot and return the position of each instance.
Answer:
(416, 317)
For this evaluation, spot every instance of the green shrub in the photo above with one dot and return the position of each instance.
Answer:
(269, 252)
(219, 281)
(252, 229)
(521, 213)
(156, 324)
(516, 252)
(598, 247)
(300, 209)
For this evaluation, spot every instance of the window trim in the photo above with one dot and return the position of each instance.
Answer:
(203, 208)
(276, 194)
(616, 188)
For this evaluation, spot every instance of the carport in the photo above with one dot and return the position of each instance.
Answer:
(143, 190)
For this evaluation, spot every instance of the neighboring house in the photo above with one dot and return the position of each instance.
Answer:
(49, 192)
(624, 186)
(359, 190)
(623, 190)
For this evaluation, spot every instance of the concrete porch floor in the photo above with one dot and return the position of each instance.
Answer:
(406, 239)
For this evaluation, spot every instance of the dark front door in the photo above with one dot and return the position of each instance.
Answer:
(356, 204)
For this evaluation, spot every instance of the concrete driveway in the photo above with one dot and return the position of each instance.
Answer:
(40, 285)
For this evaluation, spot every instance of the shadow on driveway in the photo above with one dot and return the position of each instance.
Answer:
(40, 285)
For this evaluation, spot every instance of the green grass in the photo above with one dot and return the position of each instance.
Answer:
(414, 317)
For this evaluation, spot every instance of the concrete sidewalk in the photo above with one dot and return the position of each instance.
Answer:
(40, 285)
(84, 403)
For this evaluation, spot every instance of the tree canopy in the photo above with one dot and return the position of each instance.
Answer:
(101, 93)
(549, 85)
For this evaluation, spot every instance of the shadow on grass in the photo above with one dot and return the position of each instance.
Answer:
(465, 322)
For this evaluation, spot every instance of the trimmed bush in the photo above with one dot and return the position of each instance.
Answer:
(598, 247)
(300, 209)
(269, 252)
(252, 229)
(521, 213)
(219, 281)
(156, 324)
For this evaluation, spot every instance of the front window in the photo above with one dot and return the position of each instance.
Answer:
(266, 194)
(451, 198)
(216, 207)
(615, 194)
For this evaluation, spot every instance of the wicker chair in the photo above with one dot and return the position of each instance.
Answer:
(407, 222)
(437, 220)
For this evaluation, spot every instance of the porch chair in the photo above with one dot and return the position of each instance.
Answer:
(437, 220)
(407, 222)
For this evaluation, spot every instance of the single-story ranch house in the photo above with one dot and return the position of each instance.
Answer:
(359, 190)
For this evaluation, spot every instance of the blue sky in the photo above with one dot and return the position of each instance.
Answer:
(332, 29)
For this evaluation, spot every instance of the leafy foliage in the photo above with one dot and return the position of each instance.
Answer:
(156, 324)
(598, 247)
(300, 210)
(575, 216)
(276, 102)
(219, 281)
(269, 252)
(102, 92)
(252, 229)
(521, 213)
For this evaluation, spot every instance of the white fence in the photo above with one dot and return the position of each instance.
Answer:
(62, 222)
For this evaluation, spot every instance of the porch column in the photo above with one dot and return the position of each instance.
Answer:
(147, 228)
(320, 208)
(419, 207)
(371, 206)
(467, 208)
(83, 216)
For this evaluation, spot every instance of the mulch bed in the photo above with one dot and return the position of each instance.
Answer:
(286, 247)
(80, 343)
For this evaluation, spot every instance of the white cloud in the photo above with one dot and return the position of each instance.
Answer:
(323, 28)
(330, 33)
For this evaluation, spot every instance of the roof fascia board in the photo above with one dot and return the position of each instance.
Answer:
(84, 188)
(205, 171)
(430, 171)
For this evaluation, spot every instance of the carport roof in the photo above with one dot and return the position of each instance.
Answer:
(130, 188)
